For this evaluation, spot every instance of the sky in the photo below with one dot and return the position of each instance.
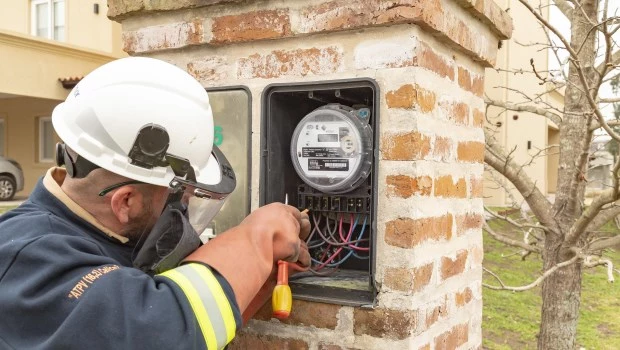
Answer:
(558, 20)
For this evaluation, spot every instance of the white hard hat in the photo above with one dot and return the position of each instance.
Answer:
(104, 114)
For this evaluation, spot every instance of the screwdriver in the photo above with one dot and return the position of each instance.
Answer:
(282, 298)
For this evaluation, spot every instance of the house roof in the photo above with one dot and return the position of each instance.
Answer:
(69, 82)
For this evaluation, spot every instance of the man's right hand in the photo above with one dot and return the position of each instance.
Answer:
(247, 254)
(287, 226)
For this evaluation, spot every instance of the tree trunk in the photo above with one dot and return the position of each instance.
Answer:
(561, 294)
(561, 291)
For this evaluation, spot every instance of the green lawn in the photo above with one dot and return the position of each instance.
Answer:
(7, 208)
(511, 319)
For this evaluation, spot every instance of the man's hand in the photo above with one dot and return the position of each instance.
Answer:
(288, 228)
(247, 254)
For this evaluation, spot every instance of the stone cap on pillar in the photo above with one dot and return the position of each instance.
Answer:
(479, 39)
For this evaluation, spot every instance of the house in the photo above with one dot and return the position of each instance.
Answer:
(530, 137)
(46, 46)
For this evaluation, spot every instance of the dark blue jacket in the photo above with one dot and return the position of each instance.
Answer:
(64, 284)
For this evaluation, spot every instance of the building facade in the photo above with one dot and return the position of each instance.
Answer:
(46, 46)
(530, 137)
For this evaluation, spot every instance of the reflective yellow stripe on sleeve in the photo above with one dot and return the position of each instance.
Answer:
(208, 301)
(220, 298)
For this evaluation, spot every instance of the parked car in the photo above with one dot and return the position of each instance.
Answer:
(11, 178)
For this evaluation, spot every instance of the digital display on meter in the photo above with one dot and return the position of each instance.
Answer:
(328, 137)
(331, 148)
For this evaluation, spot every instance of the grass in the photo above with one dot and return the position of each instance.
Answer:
(6, 208)
(511, 319)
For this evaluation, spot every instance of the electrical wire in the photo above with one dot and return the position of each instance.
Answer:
(330, 242)
(333, 243)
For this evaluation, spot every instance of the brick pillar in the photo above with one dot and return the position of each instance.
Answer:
(428, 57)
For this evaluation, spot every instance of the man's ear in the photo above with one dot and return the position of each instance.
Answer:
(126, 204)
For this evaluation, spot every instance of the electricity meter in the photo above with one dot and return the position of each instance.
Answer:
(331, 148)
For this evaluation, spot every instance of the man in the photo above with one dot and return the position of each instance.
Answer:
(105, 253)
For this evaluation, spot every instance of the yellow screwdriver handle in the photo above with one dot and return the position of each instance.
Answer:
(282, 298)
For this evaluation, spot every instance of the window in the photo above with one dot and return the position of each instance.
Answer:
(48, 19)
(46, 140)
(2, 137)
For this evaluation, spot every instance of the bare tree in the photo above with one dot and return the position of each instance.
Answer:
(566, 231)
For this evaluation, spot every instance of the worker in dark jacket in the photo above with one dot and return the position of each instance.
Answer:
(105, 253)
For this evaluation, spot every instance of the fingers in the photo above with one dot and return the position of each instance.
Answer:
(304, 256)
(304, 226)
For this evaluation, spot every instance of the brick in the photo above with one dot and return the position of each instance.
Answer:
(422, 276)
(476, 187)
(464, 297)
(435, 313)
(478, 118)
(324, 346)
(118, 9)
(464, 79)
(404, 97)
(446, 187)
(409, 96)
(408, 280)
(467, 222)
(167, 36)
(429, 59)
(209, 69)
(384, 323)
(405, 146)
(407, 233)
(338, 15)
(456, 112)
(251, 26)
(454, 267)
(476, 256)
(477, 85)
(470, 151)
(470, 82)
(245, 340)
(453, 338)
(426, 99)
(305, 313)
(405, 186)
(298, 62)
(442, 149)
(491, 15)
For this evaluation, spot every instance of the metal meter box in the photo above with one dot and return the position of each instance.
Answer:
(319, 147)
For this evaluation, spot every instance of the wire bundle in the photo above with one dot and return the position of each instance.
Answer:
(333, 245)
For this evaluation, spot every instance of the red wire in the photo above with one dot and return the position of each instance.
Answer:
(339, 249)
(352, 246)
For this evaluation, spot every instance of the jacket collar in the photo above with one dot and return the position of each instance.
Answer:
(48, 191)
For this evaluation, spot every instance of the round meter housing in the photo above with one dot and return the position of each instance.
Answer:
(331, 148)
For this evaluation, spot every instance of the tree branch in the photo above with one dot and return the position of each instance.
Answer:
(510, 170)
(592, 261)
(603, 217)
(513, 242)
(532, 109)
(609, 100)
(539, 280)
(514, 223)
(597, 125)
(565, 8)
(614, 61)
(604, 244)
